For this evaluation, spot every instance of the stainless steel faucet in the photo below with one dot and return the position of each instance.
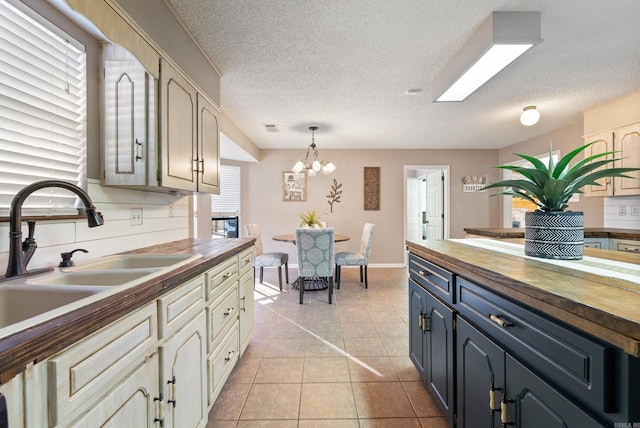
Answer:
(20, 252)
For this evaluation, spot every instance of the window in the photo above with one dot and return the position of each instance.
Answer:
(227, 203)
(42, 110)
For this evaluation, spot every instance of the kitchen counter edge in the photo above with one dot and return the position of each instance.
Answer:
(475, 265)
(44, 340)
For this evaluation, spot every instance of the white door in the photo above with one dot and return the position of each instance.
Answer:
(413, 210)
(435, 211)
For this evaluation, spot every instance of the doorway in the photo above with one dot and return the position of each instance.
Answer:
(426, 210)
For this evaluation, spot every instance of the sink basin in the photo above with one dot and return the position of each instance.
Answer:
(23, 301)
(109, 278)
(136, 261)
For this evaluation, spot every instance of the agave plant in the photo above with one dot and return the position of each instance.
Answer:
(550, 186)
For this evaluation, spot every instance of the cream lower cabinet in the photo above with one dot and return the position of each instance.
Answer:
(246, 288)
(92, 373)
(229, 291)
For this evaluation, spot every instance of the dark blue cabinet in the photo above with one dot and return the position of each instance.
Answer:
(431, 345)
(493, 389)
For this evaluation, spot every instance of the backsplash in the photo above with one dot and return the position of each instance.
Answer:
(622, 212)
(165, 218)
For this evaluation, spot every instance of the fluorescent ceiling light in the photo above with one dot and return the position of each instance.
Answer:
(499, 40)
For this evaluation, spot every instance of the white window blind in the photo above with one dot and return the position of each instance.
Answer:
(228, 201)
(42, 110)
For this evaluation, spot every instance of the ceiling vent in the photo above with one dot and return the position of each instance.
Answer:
(271, 128)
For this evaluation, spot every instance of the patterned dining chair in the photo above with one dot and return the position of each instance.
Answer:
(262, 259)
(361, 258)
(316, 252)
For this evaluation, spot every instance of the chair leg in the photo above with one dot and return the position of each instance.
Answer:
(360, 273)
(301, 285)
(261, 274)
(280, 277)
(338, 277)
(330, 288)
(286, 271)
(366, 279)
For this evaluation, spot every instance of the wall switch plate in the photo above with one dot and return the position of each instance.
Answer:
(635, 210)
(136, 216)
(622, 210)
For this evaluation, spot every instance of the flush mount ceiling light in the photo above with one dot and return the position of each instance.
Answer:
(316, 165)
(529, 116)
(499, 40)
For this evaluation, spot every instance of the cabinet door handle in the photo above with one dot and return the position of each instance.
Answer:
(243, 299)
(504, 417)
(172, 388)
(195, 166)
(159, 411)
(229, 355)
(492, 398)
(502, 323)
(138, 150)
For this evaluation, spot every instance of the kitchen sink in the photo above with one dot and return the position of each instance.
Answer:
(135, 261)
(114, 277)
(19, 302)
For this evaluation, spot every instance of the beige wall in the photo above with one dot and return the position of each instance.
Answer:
(562, 139)
(263, 204)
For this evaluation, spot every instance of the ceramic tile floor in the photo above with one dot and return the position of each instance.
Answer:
(317, 365)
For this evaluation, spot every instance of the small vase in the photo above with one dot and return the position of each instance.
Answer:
(554, 234)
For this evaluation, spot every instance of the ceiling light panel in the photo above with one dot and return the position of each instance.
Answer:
(501, 38)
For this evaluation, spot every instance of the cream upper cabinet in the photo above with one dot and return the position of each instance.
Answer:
(627, 142)
(602, 142)
(189, 139)
(208, 147)
(129, 123)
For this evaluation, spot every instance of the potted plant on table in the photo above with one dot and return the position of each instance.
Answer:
(551, 231)
(310, 219)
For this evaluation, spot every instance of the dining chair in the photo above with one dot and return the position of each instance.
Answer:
(262, 259)
(361, 258)
(316, 252)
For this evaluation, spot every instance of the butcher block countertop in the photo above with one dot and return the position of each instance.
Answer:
(603, 306)
(593, 232)
(45, 339)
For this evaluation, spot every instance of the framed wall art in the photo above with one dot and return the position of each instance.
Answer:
(294, 186)
(371, 188)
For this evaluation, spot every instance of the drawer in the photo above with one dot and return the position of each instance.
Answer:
(81, 374)
(627, 246)
(177, 308)
(431, 277)
(245, 261)
(219, 277)
(221, 362)
(220, 314)
(569, 359)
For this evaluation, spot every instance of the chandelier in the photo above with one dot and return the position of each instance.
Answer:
(315, 166)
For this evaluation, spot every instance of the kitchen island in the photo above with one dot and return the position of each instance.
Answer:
(501, 337)
(158, 350)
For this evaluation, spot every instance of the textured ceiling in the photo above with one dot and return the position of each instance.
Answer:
(345, 66)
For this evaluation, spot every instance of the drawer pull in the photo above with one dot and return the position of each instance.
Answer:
(229, 355)
(502, 323)
(227, 275)
(425, 272)
(228, 312)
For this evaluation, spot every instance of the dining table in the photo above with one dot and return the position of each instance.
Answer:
(316, 283)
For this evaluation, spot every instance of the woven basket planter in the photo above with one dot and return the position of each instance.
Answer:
(554, 234)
